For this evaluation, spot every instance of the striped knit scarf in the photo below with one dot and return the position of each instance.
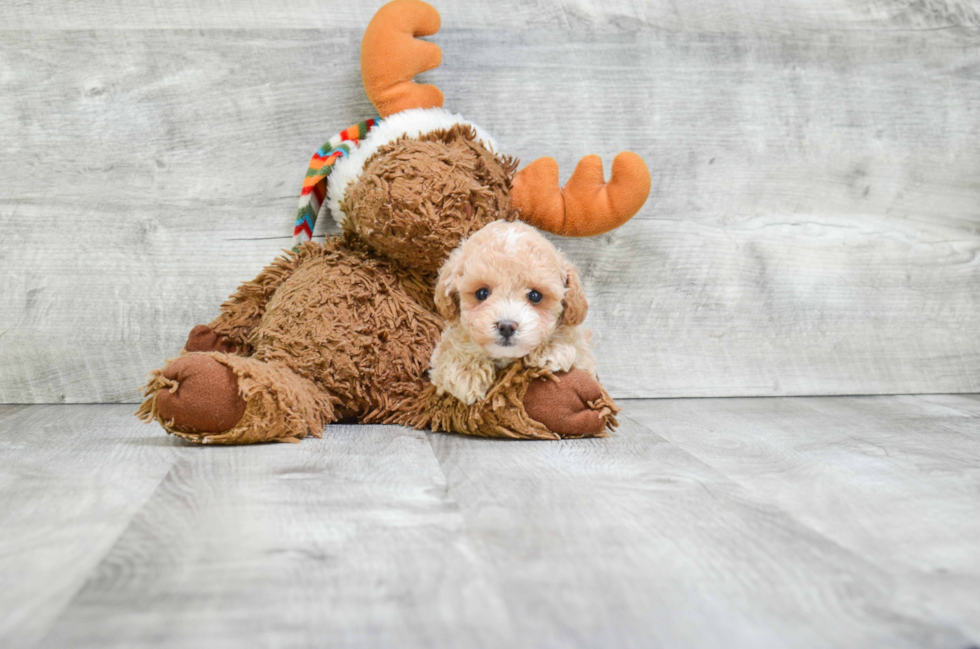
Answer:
(315, 183)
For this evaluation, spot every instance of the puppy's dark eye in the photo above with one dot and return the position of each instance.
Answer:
(482, 294)
(534, 296)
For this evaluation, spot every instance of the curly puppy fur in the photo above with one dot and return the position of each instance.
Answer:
(506, 293)
(345, 328)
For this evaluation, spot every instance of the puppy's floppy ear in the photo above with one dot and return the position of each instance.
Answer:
(447, 296)
(575, 306)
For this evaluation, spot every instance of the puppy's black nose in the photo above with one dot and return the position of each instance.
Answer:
(506, 328)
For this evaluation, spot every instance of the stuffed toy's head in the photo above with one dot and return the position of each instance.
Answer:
(510, 289)
(415, 182)
(416, 198)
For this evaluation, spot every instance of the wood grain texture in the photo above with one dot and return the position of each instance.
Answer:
(893, 479)
(71, 479)
(349, 542)
(566, 15)
(818, 522)
(813, 227)
(644, 545)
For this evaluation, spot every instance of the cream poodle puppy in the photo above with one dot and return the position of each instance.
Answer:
(507, 293)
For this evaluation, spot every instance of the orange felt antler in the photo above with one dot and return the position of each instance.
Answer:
(391, 56)
(586, 205)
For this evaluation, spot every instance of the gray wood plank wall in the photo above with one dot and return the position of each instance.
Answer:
(814, 225)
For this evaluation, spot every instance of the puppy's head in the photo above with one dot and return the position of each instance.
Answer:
(510, 288)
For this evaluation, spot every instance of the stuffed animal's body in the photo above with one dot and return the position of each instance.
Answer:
(345, 329)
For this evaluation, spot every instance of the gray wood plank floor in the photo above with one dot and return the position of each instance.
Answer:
(804, 522)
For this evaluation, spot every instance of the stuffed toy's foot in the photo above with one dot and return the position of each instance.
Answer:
(216, 398)
(202, 395)
(571, 404)
(523, 403)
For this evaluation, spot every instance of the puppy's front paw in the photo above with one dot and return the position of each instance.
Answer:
(468, 385)
(555, 357)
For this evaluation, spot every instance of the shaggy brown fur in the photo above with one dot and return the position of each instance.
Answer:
(503, 412)
(417, 199)
(280, 406)
(346, 328)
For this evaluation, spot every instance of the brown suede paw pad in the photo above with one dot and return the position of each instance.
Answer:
(204, 395)
(565, 405)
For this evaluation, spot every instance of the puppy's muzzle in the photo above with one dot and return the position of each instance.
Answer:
(506, 330)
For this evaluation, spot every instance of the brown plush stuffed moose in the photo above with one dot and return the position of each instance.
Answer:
(344, 330)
